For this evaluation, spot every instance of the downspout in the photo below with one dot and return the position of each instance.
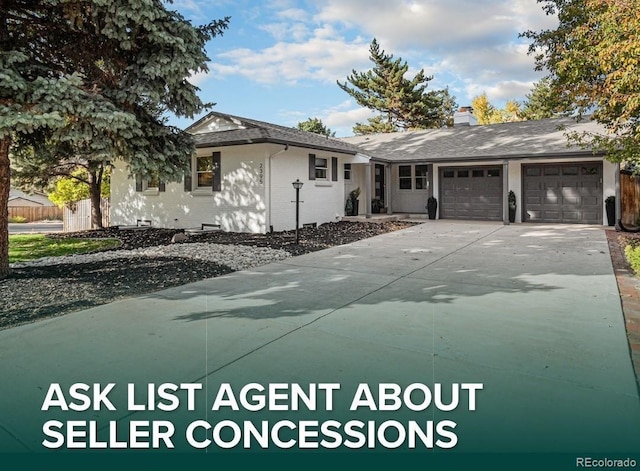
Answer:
(505, 192)
(286, 147)
(618, 195)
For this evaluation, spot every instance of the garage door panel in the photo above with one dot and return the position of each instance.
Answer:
(563, 193)
(571, 216)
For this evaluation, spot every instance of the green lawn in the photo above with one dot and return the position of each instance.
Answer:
(31, 246)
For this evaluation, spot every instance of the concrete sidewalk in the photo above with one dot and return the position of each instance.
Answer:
(530, 311)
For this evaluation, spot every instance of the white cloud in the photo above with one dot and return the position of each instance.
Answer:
(297, 32)
(345, 116)
(320, 58)
(294, 14)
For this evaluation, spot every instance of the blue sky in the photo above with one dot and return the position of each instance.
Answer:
(280, 59)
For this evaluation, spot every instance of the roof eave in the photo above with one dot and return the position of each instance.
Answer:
(475, 158)
(265, 140)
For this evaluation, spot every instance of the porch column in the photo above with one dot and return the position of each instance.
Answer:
(618, 199)
(367, 190)
(505, 192)
(387, 187)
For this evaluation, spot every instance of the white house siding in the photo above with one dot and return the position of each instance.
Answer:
(239, 206)
(242, 205)
(407, 200)
(515, 175)
(323, 200)
(357, 181)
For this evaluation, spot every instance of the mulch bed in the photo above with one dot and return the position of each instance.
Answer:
(310, 238)
(33, 293)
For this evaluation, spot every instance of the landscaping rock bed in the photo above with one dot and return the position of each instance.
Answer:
(147, 261)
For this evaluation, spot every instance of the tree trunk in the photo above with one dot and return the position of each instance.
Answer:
(94, 196)
(5, 184)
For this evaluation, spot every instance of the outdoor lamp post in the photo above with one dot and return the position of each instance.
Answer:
(297, 185)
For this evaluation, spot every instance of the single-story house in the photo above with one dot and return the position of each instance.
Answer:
(241, 179)
(33, 199)
(470, 170)
(242, 173)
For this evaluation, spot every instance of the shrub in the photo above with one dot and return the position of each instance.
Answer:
(18, 219)
(633, 257)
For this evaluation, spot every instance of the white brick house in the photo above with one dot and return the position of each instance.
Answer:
(243, 170)
(241, 179)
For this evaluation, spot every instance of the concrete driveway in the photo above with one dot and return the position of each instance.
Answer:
(531, 312)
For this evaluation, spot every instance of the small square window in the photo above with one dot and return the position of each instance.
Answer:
(493, 172)
(570, 170)
(422, 174)
(347, 172)
(153, 183)
(321, 168)
(533, 171)
(404, 177)
(463, 173)
(204, 171)
(551, 171)
(448, 174)
(590, 170)
(477, 173)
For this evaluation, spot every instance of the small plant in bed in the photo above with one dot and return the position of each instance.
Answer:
(23, 247)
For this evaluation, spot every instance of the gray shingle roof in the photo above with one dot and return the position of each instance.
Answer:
(509, 140)
(256, 132)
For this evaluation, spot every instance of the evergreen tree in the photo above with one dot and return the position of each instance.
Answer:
(375, 125)
(96, 77)
(315, 125)
(541, 102)
(403, 103)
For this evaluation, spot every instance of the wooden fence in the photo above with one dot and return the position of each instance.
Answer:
(36, 213)
(630, 198)
(78, 216)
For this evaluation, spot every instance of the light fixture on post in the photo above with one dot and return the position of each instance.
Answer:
(297, 185)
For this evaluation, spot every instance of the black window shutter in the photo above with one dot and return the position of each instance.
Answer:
(161, 186)
(334, 169)
(138, 183)
(188, 185)
(217, 172)
(312, 166)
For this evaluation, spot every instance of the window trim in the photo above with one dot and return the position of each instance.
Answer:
(347, 172)
(404, 178)
(424, 178)
(322, 170)
(198, 172)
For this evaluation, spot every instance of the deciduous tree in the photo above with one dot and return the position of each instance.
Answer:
(486, 113)
(593, 60)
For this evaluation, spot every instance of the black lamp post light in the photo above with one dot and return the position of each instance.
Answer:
(297, 185)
